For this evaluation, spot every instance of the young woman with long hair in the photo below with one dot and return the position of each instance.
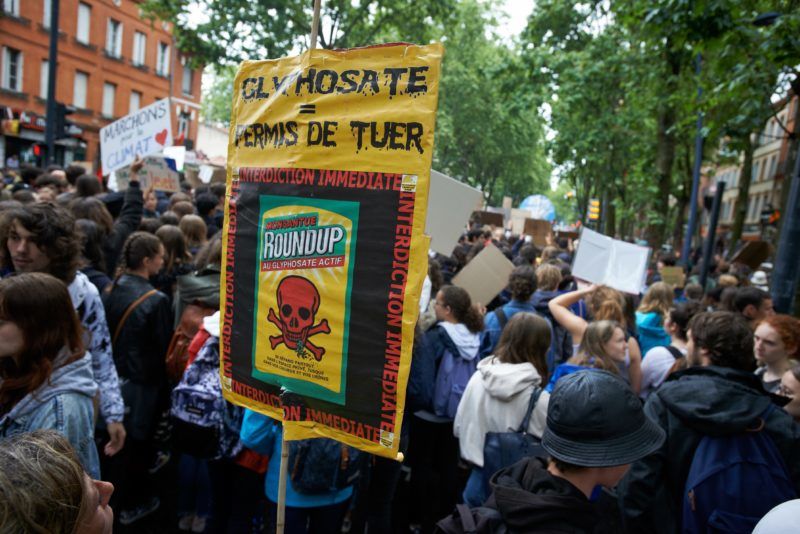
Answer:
(46, 379)
(453, 342)
(177, 260)
(604, 304)
(498, 394)
(651, 314)
(140, 320)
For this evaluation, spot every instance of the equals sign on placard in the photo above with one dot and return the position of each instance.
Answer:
(308, 108)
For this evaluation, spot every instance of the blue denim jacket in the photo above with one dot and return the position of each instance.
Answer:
(63, 403)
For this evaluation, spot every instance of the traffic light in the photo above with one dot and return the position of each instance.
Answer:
(594, 209)
(62, 124)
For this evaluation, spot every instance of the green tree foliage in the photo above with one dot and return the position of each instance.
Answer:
(233, 30)
(488, 133)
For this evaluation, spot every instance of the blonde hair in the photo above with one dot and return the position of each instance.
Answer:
(659, 298)
(727, 280)
(41, 484)
(592, 350)
(605, 303)
(548, 276)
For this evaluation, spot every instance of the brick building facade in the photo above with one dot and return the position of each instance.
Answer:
(111, 61)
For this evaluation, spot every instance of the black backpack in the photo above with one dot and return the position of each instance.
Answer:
(466, 520)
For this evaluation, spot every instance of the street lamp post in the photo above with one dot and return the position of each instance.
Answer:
(698, 160)
(787, 271)
(52, 65)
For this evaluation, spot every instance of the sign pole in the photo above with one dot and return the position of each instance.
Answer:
(280, 523)
(315, 24)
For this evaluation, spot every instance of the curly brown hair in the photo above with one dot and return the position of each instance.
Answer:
(54, 232)
(726, 337)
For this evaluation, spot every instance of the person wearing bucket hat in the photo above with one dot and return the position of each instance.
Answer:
(595, 429)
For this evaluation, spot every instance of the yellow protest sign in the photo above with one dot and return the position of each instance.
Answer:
(324, 253)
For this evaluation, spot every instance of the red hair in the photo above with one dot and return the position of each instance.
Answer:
(788, 329)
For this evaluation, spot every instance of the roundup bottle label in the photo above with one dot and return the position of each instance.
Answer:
(306, 253)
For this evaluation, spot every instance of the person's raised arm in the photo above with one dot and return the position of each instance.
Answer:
(559, 308)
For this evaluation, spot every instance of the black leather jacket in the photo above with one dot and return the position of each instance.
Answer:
(142, 343)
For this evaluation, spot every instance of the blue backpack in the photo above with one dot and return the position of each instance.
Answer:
(733, 482)
(451, 381)
(322, 465)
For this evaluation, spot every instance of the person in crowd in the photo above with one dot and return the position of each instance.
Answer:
(306, 513)
(453, 343)
(93, 263)
(603, 347)
(44, 488)
(548, 277)
(141, 319)
(660, 361)
(44, 238)
(727, 280)
(150, 205)
(150, 226)
(591, 447)
(87, 186)
(790, 388)
(753, 304)
(521, 284)
(759, 280)
(115, 231)
(177, 260)
(207, 209)
(693, 292)
(777, 339)
(46, 379)
(717, 395)
(498, 394)
(183, 208)
(603, 303)
(169, 217)
(194, 229)
(650, 316)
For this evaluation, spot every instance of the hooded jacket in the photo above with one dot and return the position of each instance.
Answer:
(444, 336)
(530, 499)
(86, 301)
(650, 330)
(496, 400)
(698, 401)
(62, 403)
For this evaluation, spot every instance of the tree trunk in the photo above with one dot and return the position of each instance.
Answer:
(611, 218)
(744, 190)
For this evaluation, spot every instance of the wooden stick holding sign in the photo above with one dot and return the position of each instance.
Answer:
(280, 523)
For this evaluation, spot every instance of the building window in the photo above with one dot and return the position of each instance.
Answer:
(48, 10)
(162, 60)
(135, 102)
(139, 48)
(773, 167)
(754, 171)
(79, 89)
(109, 91)
(188, 80)
(43, 74)
(11, 7)
(84, 18)
(12, 69)
(114, 38)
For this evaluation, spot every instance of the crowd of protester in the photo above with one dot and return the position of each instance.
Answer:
(109, 350)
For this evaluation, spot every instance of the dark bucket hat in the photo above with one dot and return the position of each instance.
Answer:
(595, 420)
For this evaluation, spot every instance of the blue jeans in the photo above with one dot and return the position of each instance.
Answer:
(475, 492)
(194, 487)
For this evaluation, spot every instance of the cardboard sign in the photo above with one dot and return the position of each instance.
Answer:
(673, 276)
(518, 218)
(485, 276)
(566, 234)
(507, 203)
(602, 260)
(539, 230)
(143, 132)
(450, 204)
(155, 172)
(324, 248)
(752, 254)
(488, 218)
